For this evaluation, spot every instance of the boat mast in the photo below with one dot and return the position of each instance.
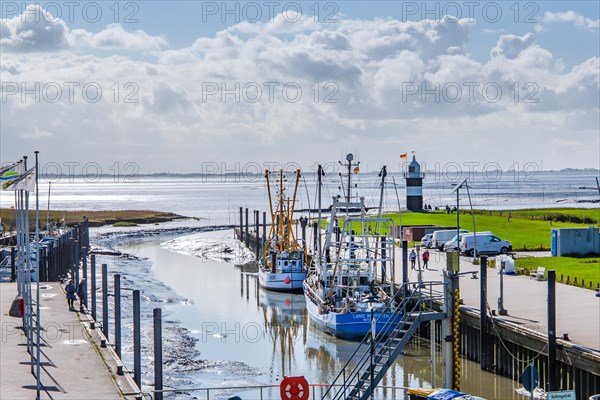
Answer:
(379, 240)
(270, 202)
(280, 211)
(291, 209)
(382, 174)
(349, 158)
(319, 185)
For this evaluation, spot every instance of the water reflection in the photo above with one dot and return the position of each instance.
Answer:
(227, 305)
(285, 321)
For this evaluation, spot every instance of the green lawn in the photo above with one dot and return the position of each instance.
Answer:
(523, 232)
(582, 268)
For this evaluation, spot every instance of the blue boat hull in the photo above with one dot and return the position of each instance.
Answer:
(351, 326)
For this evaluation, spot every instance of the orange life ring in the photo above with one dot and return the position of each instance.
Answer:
(294, 388)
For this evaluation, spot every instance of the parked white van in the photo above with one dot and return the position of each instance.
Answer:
(453, 243)
(487, 243)
(440, 237)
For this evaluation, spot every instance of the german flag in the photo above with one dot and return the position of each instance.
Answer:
(403, 155)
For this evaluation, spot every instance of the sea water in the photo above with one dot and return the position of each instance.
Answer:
(216, 199)
(222, 330)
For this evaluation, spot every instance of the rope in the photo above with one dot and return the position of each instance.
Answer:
(504, 345)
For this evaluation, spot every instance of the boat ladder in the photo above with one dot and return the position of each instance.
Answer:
(374, 357)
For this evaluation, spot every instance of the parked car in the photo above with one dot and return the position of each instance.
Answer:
(452, 243)
(487, 243)
(426, 241)
(441, 237)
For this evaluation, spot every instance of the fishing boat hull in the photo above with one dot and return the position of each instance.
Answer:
(281, 281)
(353, 325)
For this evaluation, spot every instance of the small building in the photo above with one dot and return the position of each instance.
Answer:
(575, 241)
(414, 233)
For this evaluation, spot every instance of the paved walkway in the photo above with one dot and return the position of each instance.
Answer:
(72, 367)
(577, 309)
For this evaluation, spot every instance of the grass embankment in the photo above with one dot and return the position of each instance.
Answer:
(577, 271)
(525, 229)
(96, 218)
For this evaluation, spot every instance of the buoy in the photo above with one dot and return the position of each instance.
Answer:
(294, 388)
(287, 280)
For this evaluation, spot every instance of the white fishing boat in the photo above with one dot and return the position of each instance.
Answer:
(350, 288)
(282, 266)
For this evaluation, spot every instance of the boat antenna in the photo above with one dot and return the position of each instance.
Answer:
(349, 164)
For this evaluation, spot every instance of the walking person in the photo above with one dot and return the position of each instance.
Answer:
(70, 289)
(425, 257)
(81, 294)
(413, 258)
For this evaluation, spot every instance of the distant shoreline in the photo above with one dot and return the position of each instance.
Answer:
(132, 178)
(97, 218)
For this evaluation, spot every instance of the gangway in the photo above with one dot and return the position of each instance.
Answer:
(377, 352)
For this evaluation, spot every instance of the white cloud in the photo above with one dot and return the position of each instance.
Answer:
(37, 30)
(114, 37)
(179, 119)
(34, 30)
(510, 46)
(571, 17)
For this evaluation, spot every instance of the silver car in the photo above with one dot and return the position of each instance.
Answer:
(426, 241)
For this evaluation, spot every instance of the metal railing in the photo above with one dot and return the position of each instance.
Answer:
(412, 305)
(264, 389)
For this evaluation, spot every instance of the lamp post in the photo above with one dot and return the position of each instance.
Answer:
(457, 190)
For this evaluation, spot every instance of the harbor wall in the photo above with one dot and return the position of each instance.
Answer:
(511, 348)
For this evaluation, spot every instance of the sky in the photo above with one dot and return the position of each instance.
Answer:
(190, 86)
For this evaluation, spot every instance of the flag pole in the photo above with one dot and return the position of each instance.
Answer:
(27, 261)
(37, 242)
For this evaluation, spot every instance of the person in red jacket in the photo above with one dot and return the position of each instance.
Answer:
(425, 257)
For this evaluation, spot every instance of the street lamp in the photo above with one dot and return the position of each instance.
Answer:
(457, 189)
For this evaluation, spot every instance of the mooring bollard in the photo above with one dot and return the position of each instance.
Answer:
(241, 238)
(257, 236)
(85, 276)
(483, 340)
(158, 373)
(247, 229)
(105, 300)
(76, 261)
(552, 375)
(117, 289)
(137, 347)
(93, 284)
(264, 227)
(405, 267)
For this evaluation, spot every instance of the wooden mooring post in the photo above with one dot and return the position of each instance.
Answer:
(137, 345)
(247, 230)
(105, 300)
(158, 363)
